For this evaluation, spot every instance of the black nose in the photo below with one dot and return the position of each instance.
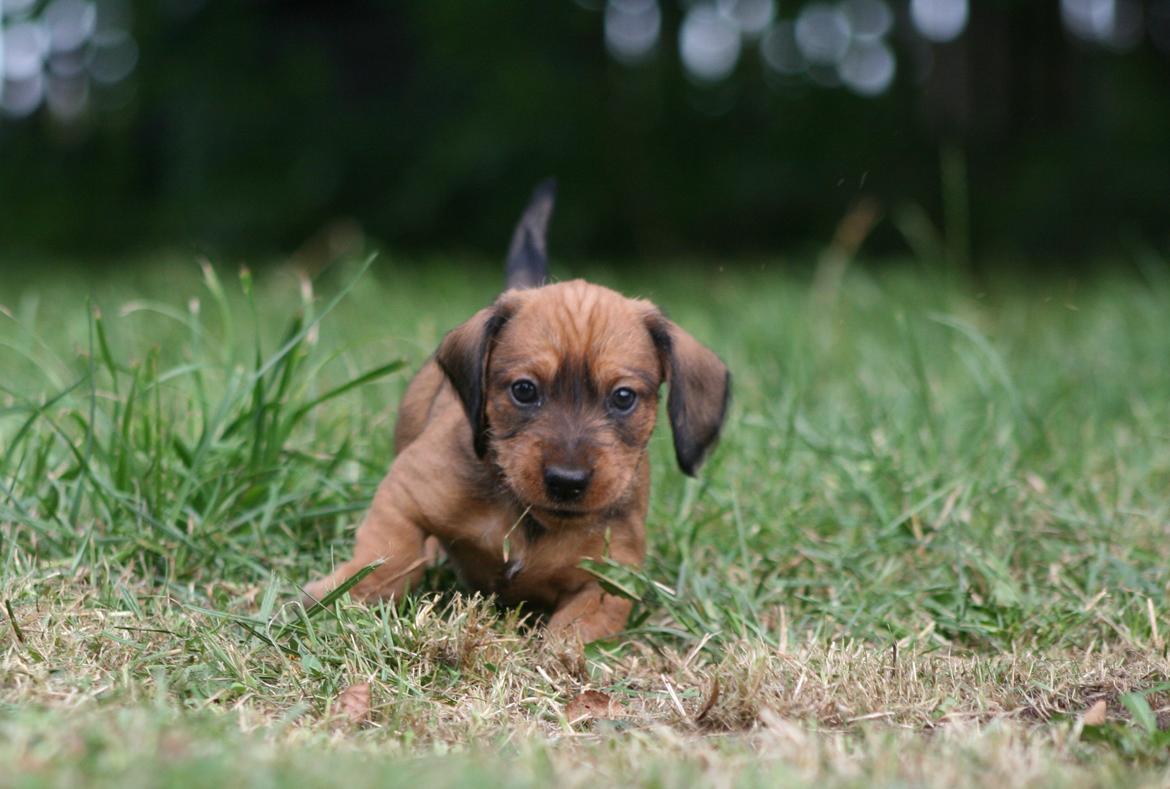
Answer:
(566, 484)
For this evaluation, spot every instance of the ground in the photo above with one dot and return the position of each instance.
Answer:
(931, 548)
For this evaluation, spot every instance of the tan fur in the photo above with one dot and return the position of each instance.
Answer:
(493, 514)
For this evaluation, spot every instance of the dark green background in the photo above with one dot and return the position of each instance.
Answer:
(253, 125)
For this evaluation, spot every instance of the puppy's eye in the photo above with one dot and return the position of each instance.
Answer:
(524, 392)
(623, 399)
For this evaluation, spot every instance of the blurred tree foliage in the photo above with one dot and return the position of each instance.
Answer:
(249, 126)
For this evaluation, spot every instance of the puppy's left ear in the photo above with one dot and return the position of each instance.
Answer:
(700, 386)
(463, 356)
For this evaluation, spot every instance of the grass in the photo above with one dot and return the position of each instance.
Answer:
(934, 537)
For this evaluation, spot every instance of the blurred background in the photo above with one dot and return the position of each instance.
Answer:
(1031, 133)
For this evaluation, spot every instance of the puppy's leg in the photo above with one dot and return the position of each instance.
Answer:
(588, 611)
(591, 613)
(390, 534)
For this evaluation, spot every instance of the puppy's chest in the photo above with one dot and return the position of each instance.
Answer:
(520, 561)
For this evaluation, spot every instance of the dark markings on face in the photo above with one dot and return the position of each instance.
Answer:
(574, 384)
(625, 427)
(516, 428)
(533, 529)
(574, 393)
(516, 420)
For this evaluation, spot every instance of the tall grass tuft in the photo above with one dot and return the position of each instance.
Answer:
(171, 467)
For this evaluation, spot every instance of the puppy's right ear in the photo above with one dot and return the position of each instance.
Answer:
(463, 356)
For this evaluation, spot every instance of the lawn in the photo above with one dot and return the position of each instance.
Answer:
(931, 549)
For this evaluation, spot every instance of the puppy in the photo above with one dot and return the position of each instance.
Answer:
(521, 444)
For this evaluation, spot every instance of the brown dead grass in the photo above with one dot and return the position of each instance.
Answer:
(447, 671)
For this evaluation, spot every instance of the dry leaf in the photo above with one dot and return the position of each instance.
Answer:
(1095, 715)
(354, 703)
(591, 704)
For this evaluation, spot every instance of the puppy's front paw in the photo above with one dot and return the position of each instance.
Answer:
(313, 593)
(591, 615)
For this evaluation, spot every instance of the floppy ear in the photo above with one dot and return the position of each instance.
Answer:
(700, 386)
(463, 357)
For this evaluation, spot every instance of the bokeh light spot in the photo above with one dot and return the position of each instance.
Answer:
(1113, 23)
(15, 7)
(24, 50)
(822, 34)
(709, 43)
(55, 54)
(69, 23)
(868, 19)
(21, 97)
(868, 68)
(752, 17)
(113, 58)
(1089, 19)
(940, 21)
(632, 28)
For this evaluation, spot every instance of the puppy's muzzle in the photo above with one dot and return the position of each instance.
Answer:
(566, 484)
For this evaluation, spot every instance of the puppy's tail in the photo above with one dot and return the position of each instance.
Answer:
(527, 265)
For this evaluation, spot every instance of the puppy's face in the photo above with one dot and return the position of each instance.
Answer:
(560, 384)
(572, 396)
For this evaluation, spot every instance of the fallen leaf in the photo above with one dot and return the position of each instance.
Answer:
(591, 704)
(354, 703)
(1095, 715)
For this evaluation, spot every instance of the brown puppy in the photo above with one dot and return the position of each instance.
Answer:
(521, 445)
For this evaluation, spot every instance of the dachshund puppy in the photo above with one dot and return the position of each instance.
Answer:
(521, 444)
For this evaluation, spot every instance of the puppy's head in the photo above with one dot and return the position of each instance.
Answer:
(560, 385)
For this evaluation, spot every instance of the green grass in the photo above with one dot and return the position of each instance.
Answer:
(936, 532)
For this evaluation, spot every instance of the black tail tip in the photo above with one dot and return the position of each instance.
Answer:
(527, 263)
(545, 190)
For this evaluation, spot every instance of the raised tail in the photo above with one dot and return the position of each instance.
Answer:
(527, 265)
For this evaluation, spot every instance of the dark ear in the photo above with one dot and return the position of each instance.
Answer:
(463, 357)
(700, 386)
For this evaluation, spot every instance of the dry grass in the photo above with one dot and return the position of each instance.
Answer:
(455, 676)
